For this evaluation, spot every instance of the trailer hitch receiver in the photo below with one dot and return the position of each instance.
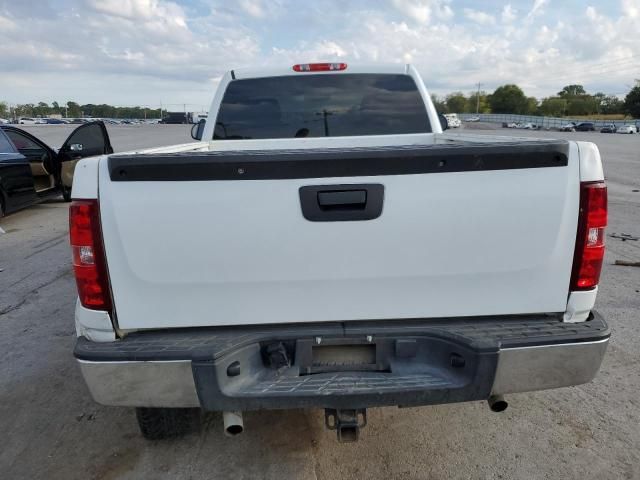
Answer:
(347, 422)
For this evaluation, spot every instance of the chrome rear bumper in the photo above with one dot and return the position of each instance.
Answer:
(139, 380)
(171, 383)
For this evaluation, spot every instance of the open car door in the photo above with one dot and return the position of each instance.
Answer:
(42, 159)
(88, 140)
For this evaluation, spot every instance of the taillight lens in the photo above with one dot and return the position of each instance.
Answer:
(589, 253)
(87, 252)
(319, 67)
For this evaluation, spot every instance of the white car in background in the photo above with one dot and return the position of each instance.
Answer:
(627, 129)
(4, 121)
(27, 121)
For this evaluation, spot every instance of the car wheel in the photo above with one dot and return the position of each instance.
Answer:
(162, 423)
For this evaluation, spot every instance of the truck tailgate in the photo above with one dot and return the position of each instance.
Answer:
(220, 238)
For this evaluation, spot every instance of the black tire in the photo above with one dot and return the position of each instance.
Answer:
(66, 194)
(162, 423)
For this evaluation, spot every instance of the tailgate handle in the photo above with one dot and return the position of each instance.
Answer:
(342, 199)
(340, 203)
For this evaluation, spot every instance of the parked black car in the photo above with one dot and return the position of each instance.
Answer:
(611, 128)
(31, 171)
(585, 127)
(175, 117)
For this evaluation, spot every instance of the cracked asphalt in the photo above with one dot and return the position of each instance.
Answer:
(52, 429)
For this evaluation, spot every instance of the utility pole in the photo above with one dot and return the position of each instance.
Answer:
(478, 99)
(325, 114)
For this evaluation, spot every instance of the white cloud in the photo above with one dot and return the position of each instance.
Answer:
(6, 25)
(139, 51)
(253, 8)
(477, 16)
(537, 8)
(508, 14)
(631, 8)
(141, 10)
(423, 10)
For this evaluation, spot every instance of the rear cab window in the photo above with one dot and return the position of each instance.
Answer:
(316, 105)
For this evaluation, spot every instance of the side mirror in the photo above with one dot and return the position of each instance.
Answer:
(76, 147)
(444, 123)
(198, 129)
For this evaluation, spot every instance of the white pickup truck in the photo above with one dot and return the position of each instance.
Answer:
(325, 245)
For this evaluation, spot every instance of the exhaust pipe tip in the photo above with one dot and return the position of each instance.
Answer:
(233, 430)
(497, 403)
(233, 424)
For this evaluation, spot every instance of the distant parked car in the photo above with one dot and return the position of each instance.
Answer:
(585, 127)
(611, 128)
(473, 119)
(569, 127)
(627, 129)
(4, 121)
(54, 121)
(27, 121)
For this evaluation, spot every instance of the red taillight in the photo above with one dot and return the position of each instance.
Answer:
(319, 67)
(89, 263)
(589, 253)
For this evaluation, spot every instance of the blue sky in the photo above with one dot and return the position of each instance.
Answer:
(150, 51)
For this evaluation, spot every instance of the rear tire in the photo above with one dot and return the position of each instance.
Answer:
(162, 423)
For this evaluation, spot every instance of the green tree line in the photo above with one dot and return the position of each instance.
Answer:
(75, 110)
(572, 100)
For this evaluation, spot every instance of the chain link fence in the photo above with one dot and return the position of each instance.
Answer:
(542, 122)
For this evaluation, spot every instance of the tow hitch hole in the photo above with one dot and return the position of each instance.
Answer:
(347, 423)
(348, 434)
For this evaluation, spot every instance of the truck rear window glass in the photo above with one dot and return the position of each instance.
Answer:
(309, 105)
